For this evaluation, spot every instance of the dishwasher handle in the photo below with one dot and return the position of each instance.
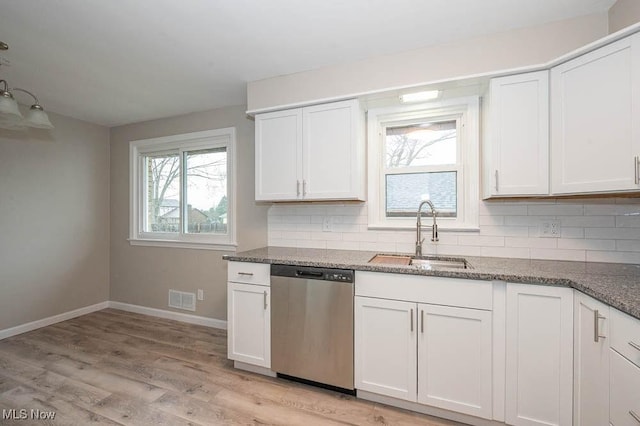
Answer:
(309, 274)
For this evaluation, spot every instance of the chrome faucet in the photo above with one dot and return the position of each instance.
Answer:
(434, 228)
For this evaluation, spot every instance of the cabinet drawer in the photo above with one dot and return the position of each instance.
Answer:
(625, 335)
(625, 392)
(249, 273)
(424, 289)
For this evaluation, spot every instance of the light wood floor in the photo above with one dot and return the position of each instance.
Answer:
(114, 367)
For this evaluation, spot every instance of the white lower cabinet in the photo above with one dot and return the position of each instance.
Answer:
(624, 398)
(539, 355)
(591, 362)
(625, 391)
(385, 347)
(454, 359)
(249, 323)
(434, 355)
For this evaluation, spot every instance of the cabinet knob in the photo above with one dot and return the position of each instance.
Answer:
(298, 188)
(412, 320)
(496, 181)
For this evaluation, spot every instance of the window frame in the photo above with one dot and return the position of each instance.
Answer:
(180, 144)
(466, 111)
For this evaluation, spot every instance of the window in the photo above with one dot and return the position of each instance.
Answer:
(427, 151)
(182, 190)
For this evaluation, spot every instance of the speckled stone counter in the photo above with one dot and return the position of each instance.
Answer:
(615, 284)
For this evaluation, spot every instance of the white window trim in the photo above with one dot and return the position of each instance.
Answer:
(468, 111)
(207, 139)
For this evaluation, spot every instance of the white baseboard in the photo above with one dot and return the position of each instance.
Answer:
(177, 316)
(33, 325)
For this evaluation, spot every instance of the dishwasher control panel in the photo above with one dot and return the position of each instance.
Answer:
(313, 273)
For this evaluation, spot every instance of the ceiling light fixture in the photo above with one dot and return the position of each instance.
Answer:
(10, 116)
(419, 96)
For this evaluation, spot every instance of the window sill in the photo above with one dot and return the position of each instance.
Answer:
(182, 244)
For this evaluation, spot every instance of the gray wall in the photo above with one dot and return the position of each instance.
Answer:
(54, 220)
(143, 275)
(490, 53)
(623, 13)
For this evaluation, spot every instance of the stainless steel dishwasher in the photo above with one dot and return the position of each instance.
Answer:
(312, 324)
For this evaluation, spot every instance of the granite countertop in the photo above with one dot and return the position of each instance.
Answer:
(613, 283)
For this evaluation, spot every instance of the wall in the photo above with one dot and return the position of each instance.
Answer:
(517, 48)
(54, 226)
(599, 230)
(623, 13)
(143, 275)
(594, 230)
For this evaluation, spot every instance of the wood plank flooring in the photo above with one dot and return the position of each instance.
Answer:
(118, 368)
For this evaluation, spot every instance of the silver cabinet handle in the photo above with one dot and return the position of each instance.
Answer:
(596, 326)
(636, 176)
(304, 188)
(634, 345)
(496, 181)
(265, 299)
(634, 415)
(298, 188)
(249, 274)
(421, 321)
(411, 320)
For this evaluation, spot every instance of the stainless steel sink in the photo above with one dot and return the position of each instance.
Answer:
(422, 262)
(440, 263)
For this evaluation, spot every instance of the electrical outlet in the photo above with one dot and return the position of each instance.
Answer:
(327, 224)
(550, 229)
(200, 294)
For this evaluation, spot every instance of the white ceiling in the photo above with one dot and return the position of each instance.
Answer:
(114, 62)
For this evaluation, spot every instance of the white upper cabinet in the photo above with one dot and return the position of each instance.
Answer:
(311, 153)
(516, 145)
(278, 155)
(595, 125)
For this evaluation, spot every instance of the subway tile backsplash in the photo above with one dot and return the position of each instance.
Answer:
(600, 230)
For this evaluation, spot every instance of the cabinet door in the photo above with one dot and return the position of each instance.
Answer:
(595, 102)
(385, 347)
(249, 324)
(625, 391)
(591, 362)
(519, 135)
(454, 359)
(539, 355)
(333, 152)
(279, 155)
